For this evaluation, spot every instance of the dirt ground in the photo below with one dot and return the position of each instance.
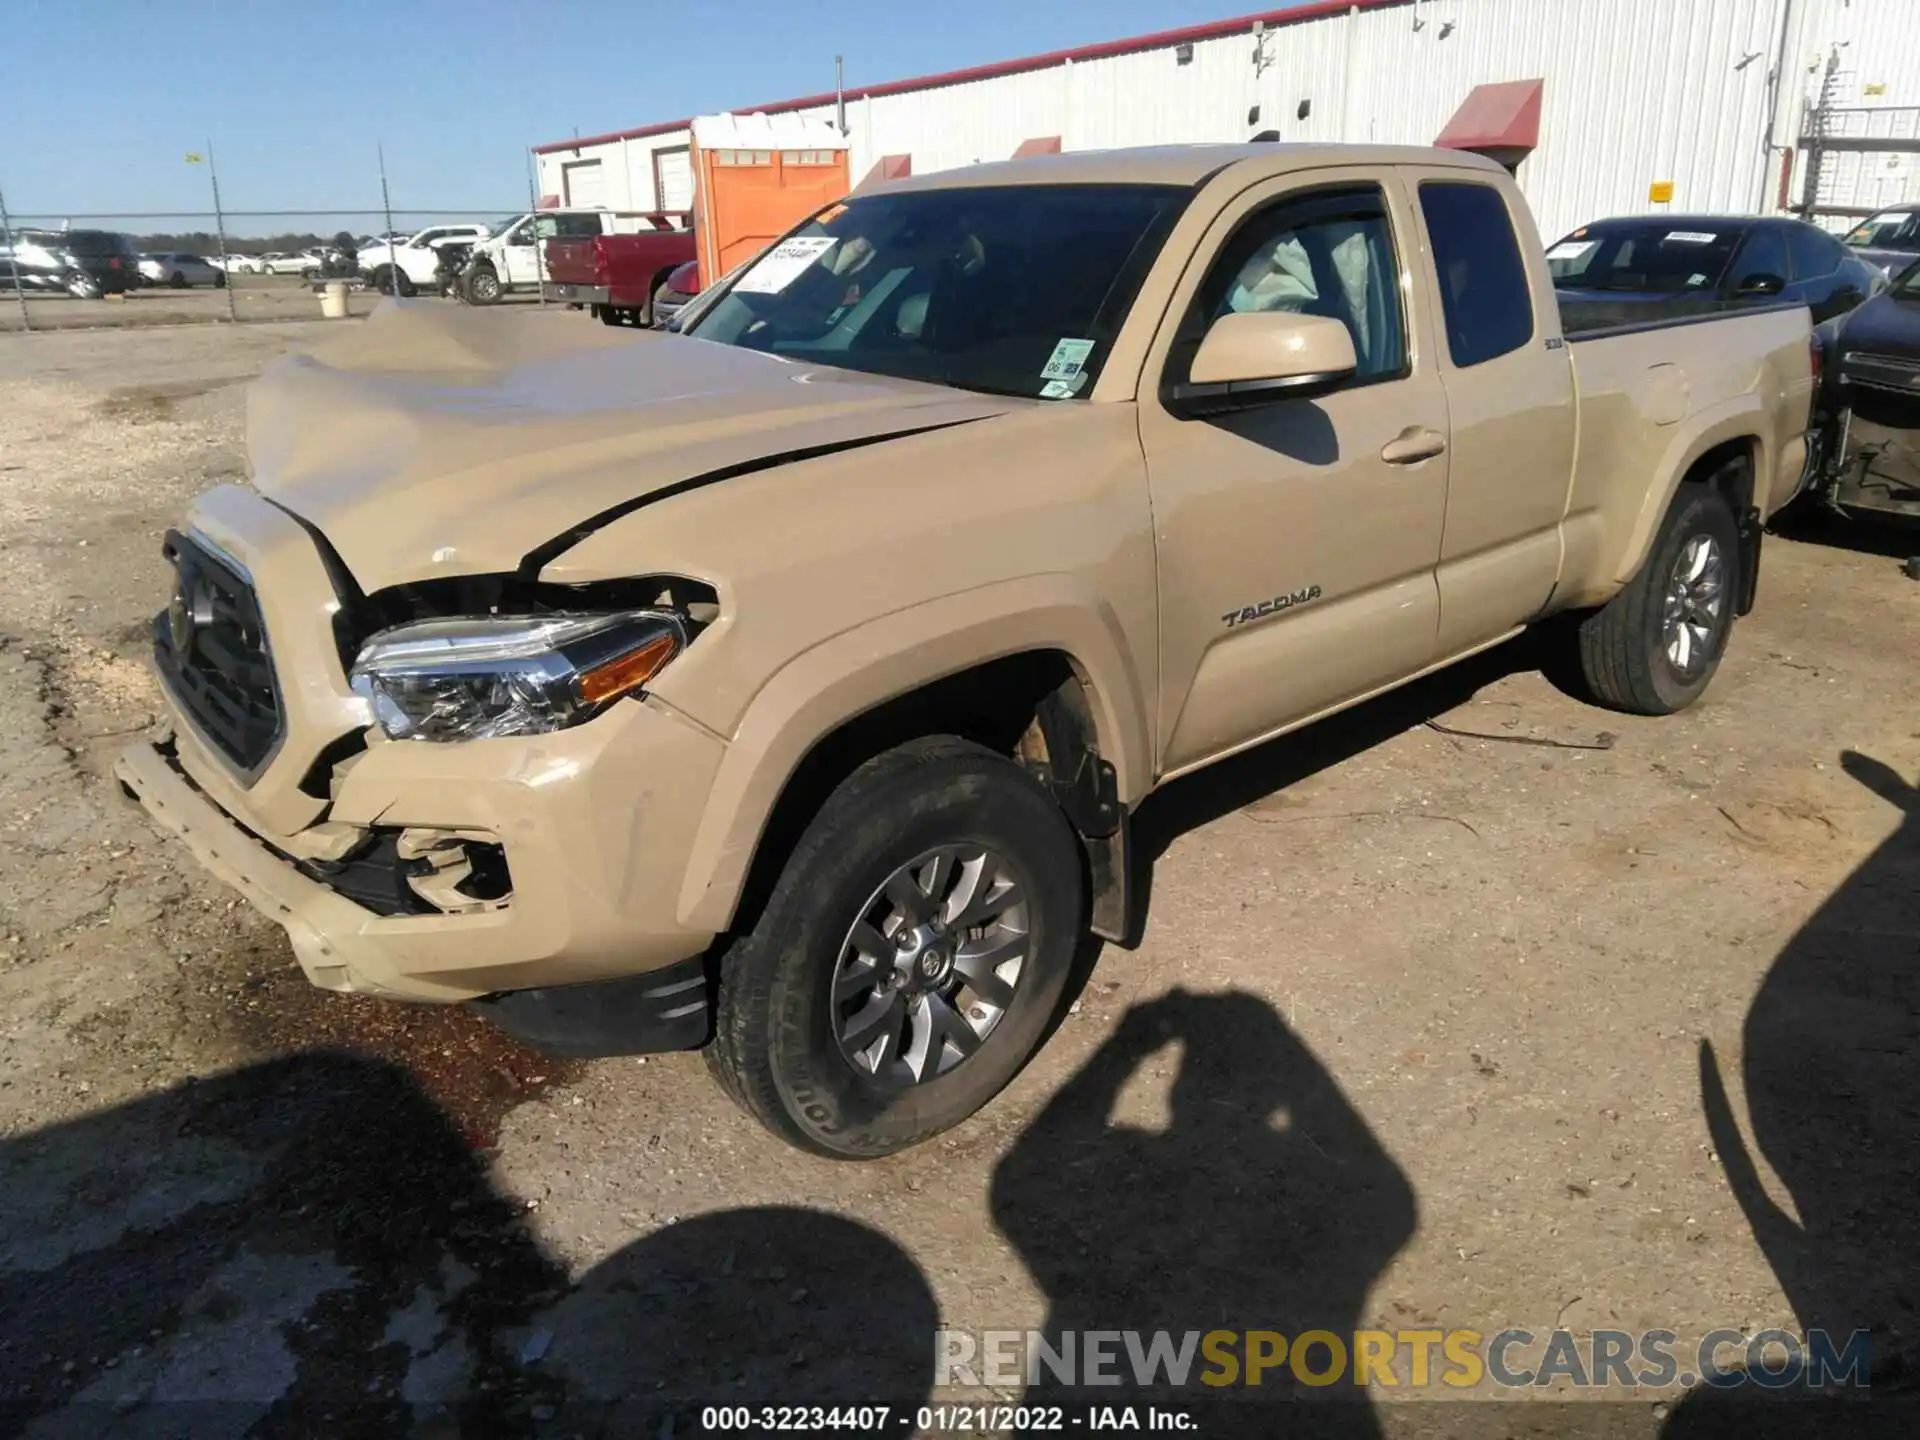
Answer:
(276, 298)
(1474, 1008)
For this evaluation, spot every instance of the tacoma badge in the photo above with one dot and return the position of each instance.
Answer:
(1271, 607)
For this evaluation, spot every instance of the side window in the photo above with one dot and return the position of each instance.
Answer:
(1765, 253)
(1814, 252)
(1329, 253)
(1483, 281)
(577, 226)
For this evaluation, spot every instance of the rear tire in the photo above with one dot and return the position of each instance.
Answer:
(220, 280)
(177, 280)
(391, 281)
(1654, 647)
(782, 1039)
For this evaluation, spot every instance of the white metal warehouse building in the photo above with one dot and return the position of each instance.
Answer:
(1707, 97)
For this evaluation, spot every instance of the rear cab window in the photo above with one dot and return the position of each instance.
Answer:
(1485, 299)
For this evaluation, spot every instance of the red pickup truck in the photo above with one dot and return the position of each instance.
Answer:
(617, 276)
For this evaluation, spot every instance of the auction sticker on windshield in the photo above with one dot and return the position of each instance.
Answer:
(1691, 237)
(1571, 249)
(1069, 358)
(782, 265)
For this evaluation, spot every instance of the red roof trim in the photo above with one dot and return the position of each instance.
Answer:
(1209, 30)
(1504, 115)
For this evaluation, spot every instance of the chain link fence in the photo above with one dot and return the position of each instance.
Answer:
(85, 271)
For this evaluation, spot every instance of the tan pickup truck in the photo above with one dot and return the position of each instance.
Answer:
(785, 686)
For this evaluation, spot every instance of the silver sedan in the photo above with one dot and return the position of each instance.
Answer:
(180, 271)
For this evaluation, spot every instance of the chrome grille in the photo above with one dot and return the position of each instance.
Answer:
(210, 647)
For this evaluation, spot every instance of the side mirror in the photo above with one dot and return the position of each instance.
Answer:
(1760, 283)
(1263, 356)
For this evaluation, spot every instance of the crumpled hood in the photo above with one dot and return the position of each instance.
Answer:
(436, 441)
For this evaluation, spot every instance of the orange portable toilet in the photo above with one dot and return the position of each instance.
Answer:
(756, 177)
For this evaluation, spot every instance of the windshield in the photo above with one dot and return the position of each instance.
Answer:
(1653, 255)
(1011, 290)
(1883, 231)
(500, 227)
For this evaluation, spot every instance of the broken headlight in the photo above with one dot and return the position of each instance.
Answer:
(509, 675)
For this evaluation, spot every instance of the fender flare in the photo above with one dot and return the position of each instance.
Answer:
(822, 688)
(1742, 418)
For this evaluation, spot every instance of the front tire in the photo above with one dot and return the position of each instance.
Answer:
(911, 955)
(482, 288)
(1654, 647)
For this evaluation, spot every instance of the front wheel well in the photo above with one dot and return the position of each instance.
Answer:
(1032, 706)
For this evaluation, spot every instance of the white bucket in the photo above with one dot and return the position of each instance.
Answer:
(333, 300)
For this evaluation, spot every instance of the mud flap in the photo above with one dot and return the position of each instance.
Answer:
(668, 1009)
(1752, 528)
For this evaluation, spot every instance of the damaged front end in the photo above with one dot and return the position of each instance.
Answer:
(413, 782)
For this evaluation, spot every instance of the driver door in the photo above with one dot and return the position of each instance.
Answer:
(1298, 539)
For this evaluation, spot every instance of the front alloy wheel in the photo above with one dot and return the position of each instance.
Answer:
(910, 956)
(931, 965)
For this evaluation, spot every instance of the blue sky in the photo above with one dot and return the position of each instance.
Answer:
(100, 100)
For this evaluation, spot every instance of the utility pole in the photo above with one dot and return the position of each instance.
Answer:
(219, 222)
(386, 208)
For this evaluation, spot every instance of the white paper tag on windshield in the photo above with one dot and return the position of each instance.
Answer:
(1692, 237)
(781, 266)
(1696, 279)
(1058, 390)
(1571, 249)
(1068, 359)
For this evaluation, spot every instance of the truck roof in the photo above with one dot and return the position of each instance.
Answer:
(1181, 164)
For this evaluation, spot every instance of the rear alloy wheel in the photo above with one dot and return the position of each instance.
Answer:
(1653, 648)
(177, 280)
(913, 950)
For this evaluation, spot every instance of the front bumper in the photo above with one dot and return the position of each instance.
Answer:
(586, 830)
(1879, 475)
(595, 829)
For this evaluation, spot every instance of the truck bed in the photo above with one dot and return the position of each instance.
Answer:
(1641, 385)
(618, 271)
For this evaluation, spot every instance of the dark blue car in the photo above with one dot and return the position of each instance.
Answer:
(1625, 271)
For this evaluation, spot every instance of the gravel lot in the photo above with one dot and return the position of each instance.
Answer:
(1476, 1007)
(277, 298)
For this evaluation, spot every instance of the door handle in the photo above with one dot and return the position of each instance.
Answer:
(1412, 445)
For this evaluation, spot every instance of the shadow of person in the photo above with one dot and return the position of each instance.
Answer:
(760, 1307)
(1265, 1204)
(241, 1255)
(311, 1246)
(1831, 1069)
